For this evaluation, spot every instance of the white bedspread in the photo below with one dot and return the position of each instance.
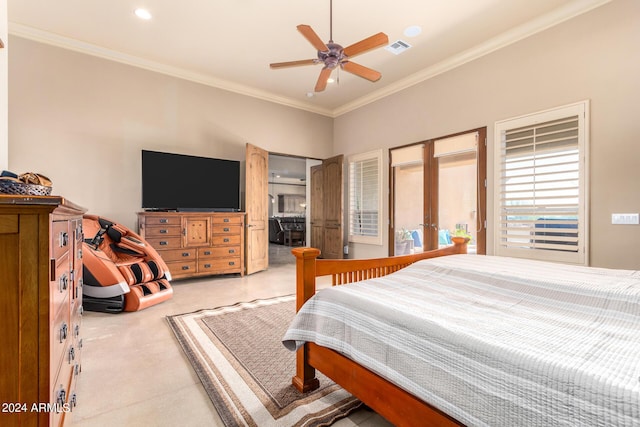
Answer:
(491, 340)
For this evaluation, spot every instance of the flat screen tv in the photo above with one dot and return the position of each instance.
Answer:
(189, 183)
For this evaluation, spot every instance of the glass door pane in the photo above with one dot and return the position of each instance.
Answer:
(408, 208)
(457, 198)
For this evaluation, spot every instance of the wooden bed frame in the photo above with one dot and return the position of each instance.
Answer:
(396, 405)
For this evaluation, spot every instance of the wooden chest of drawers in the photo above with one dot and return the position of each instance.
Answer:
(41, 305)
(194, 243)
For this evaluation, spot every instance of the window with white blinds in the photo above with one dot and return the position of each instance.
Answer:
(365, 198)
(541, 182)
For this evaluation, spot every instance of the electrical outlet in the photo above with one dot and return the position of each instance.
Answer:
(625, 218)
(346, 249)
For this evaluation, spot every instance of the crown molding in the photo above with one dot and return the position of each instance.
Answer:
(570, 10)
(562, 14)
(57, 40)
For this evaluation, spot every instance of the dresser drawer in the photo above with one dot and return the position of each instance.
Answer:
(186, 254)
(60, 395)
(161, 232)
(152, 220)
(222, 240)
(227, 251)
(226, 229)
(161, 243)
(219, 266)
(60, 239)
(76, 329)
(179, 269)
(61, 335)
(235, 219)
(60, 285)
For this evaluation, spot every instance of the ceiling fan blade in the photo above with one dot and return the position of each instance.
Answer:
(322, 79)
(293, 63)
(361, 71)
(313, 38)
(367, 44)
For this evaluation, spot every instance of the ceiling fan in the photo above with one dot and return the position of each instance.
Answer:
(332, 55)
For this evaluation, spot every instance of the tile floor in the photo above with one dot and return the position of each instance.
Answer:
(134, 372)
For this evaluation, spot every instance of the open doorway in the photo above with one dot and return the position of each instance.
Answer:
(288, 205)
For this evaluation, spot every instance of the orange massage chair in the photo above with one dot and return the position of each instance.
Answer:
(121, 271)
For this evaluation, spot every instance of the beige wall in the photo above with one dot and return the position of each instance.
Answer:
(594, 56)
(82, 121)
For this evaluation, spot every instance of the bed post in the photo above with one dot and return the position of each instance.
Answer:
(305, 379)
(460, 244)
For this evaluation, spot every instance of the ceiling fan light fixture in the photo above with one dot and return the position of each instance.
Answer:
(142, 14)
(333, 56)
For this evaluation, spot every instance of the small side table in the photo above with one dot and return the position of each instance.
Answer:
(291, 236)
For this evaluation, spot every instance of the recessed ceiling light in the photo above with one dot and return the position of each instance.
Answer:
(412, 31)
(330, 80)
(143, 14)
(309, 94)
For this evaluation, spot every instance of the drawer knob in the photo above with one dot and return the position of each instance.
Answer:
(207, 266)
(72, 354)
(185, 267)
(226, 220)
(226, 229)
(64, 239)
(232, 263)
(232, 251)
(163, 243)
(64, 331)
(185, 254)
(61, 396)
(164, 221)
(226, 240)
(63, 283)
(164, 231)
(207, 252)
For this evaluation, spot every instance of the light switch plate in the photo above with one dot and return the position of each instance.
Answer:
(625, 218)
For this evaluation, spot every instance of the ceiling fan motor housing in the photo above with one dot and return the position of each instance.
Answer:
(332, 57)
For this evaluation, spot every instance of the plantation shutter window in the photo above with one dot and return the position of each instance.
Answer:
(365, 198)
(541, 183)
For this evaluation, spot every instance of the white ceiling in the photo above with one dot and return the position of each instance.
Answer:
(230, 43)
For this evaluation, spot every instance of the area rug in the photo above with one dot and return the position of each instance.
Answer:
(239, 357)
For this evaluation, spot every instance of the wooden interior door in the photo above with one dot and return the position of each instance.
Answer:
(333, 207)
(316, 210)
(257, 209)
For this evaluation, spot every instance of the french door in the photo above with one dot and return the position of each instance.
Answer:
(437, 191)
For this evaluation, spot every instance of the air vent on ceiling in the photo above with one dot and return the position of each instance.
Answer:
(398, 47)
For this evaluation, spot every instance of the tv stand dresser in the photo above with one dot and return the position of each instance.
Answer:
(195, 244)
(41, 306)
